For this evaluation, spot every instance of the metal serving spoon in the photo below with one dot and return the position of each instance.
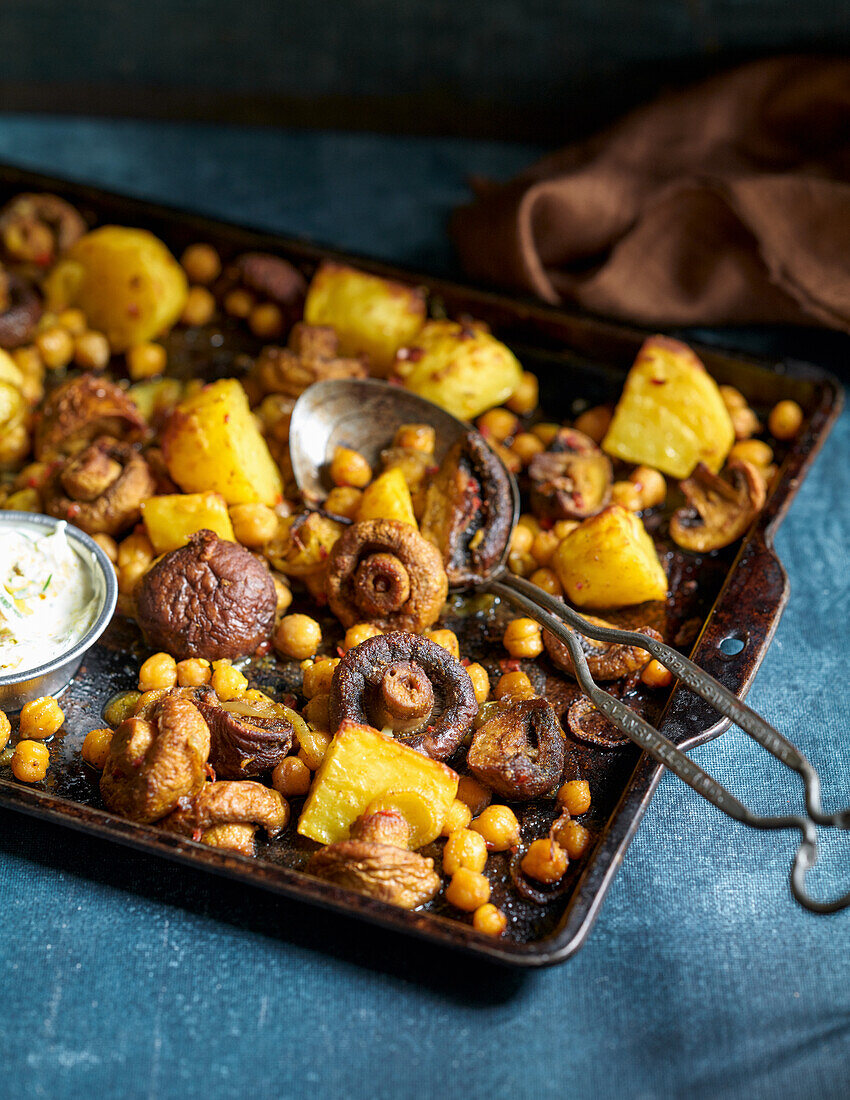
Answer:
(364, 415)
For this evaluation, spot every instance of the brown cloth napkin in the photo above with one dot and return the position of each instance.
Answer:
(723, 204)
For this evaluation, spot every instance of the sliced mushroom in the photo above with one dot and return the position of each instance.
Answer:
(469, 511)
(230, 802)
(384, 572)
(570, 480)
(39, 228)
(247, 736)
(405, 683)
(589, 725)
(312, 356)
(606, 660)
(82, 409)
(519, 753)
(720, 508)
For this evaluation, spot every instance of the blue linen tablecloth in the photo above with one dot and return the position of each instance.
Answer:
(126, 976)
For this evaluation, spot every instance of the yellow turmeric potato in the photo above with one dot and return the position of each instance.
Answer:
(171, 520)
(610, 561)
(388, 497)
(460, 367)
(126, 282)
(371, 316)
(362, 766)
(671, 414)
(211, 443)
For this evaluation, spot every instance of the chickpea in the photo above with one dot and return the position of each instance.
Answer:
(158, 671)
(266, 321)
(447, 639)
(745, 422)
(317, 676)
(238, 303)
(349, 467)
(531, 522)
(201, 263)
(5, 729)
(544, 546)
(525, 446)
(480, 681)
(358, 633)
(573, 838)
(595, 422)
(499, 827)
(199, 308)
(283, 594)
(627, 495)
(14, 444)
(468, 890)
(510, 460)
(651, 485)
(30, 761)
(130, 575)
(525, 397)
(41, 718)
(416, 437)
(464, 848)
(318, 711)
(297, 636)
(343, 500)
(785, 420)
(546, 432)
(108, 545)
(522, 539)
(136, 547)
(457, 819)
(546, 861)
(147, 699)
(548, 581)
(95, 748)
(655, 675)
(754, 451)
(227, 682)
(145, 360)
(523, 638)
(498, 425)
(564, 527)
(732, 398)
(193, 672)
(56, 347)
(489, 920)
(121, 707)
(474, 794)
(313, 748)
(73, 320)
(92, 351)
(521, 565)
(31, 366)
(292, 777)
(574, 796)
(253, 524)
(514, 685)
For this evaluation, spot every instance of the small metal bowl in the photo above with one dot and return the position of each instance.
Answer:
(18, 688)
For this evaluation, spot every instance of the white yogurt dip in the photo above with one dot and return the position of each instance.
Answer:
(47, 599)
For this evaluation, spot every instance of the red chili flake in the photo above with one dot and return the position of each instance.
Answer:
(289, 700)
(227, 418)
(658, 381)
(465, 661)
(323, 553)
(510, 664)
(197, 834)
(340, 652)
(73, 511)
(132, 310)
(210, 770)
(546, 524)
(44, 259)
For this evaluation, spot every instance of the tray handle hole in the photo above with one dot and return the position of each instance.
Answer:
(732, 645)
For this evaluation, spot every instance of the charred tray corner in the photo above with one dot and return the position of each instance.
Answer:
(738, 593)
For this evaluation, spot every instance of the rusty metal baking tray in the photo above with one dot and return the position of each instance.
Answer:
(735, 594)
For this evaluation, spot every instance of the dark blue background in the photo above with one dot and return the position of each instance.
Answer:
(123, 976)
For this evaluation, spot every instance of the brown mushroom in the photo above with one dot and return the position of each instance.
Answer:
(230, 802)
(468, 511)
(408, 684)
(606, 660)
(20, 310)
(589, 725)
(570, 480)
(101, 489)
(82, 409)
(719, 508)
(210, 598)
(156, 760)
(38, 229)
(233, 838)
(384, 572)
(374, 862)
(269, 278)
(247, 736)
(312, 356)
(519, 752)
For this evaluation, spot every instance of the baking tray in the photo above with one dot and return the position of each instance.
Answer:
(737, 594)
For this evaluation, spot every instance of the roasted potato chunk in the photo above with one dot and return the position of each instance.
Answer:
(171, 520)
(371, 316)
(388, 497)
(670, 415)
(459, 367)
(126, 282)
(211, 443)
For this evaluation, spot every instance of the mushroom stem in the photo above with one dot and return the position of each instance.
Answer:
(404, 698)
(382, 585)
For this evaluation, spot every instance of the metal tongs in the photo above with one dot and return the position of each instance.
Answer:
(363, 414)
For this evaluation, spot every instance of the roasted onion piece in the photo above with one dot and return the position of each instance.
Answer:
(82, 409)
(383, 571)
(156, 760)
(247, 736)
(519, 753)
(468, 511)
(605, 660)
(230, 802)
(20, 309)
(719, 508)
(570, 480)
(38, 229)
(101, 490)
(405, 683)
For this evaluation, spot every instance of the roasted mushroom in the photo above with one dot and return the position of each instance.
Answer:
(156, 760)
(374, 862)
(229, 802)
(268, 277)
(606, 660)
(247, 736)
(384, 572)
(38, 229)
(719, 508)
(209, 599)
(570, 480)
(101, 489)
(469, 511)
(519, 752)
(312, 356)
(82, 409)
(405, 683)
(20, 310)
(233, 838)
(589, 725)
